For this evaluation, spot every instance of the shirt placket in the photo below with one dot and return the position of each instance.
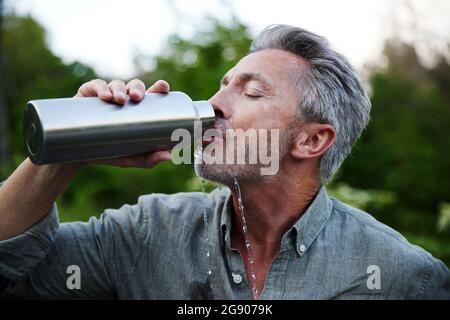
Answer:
(278, 271)
(239, 283)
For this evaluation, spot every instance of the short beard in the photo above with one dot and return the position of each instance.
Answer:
(226, 173)
(244, 173)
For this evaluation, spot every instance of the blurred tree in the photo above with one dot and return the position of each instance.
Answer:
(4, 132)
(33, 71)
(196, 65)
(406, 148)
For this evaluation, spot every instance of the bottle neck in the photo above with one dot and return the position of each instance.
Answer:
(205, 113)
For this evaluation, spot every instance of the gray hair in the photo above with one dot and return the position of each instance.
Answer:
(330, 90)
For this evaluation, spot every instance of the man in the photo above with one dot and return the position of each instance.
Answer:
(298, 242)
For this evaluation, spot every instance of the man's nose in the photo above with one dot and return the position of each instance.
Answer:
(220, 105)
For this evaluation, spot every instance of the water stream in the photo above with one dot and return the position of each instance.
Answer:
(250, 259)
(247, 244)
(208, 244)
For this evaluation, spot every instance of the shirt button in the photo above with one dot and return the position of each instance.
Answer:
(237, 278)
(302, 248)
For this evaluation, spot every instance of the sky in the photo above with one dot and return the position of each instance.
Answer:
(107, 34)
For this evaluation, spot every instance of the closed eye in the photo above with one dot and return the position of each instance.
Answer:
(253, 93)
(253, 96)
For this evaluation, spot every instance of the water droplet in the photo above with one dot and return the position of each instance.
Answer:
(198, 154)
(205, 222)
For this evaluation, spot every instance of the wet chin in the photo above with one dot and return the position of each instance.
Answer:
(225, 173)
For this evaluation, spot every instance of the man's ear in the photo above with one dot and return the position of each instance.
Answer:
(313, 140)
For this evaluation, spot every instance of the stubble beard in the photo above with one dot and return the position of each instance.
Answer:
(245, 173)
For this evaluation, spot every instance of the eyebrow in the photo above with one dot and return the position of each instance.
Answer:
(249, 76)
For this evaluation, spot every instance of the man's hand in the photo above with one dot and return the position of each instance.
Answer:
(117, 91)
(30, 190)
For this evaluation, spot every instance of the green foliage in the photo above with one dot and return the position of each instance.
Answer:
(362, 199)
(406, 148)
(32, 71)
(443, 223)
(196, 65)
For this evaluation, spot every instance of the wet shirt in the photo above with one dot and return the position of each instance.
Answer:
(156, 249)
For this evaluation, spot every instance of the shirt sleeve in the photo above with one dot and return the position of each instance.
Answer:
(72, 260)
(438, 282)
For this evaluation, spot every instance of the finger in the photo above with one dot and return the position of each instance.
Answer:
(103, 91)
(95, 88)
(136, 89)
(159, 86)
(119, 91)
(85, 90)
(155, 157)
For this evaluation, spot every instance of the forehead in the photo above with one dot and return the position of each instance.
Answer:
(273, 65)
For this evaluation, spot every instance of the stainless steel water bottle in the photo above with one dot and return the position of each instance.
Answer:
(71, 129)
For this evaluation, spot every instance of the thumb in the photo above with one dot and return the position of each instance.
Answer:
(159, 86)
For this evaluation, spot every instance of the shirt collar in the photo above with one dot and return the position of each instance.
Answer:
(307, 227)
(313, 220)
